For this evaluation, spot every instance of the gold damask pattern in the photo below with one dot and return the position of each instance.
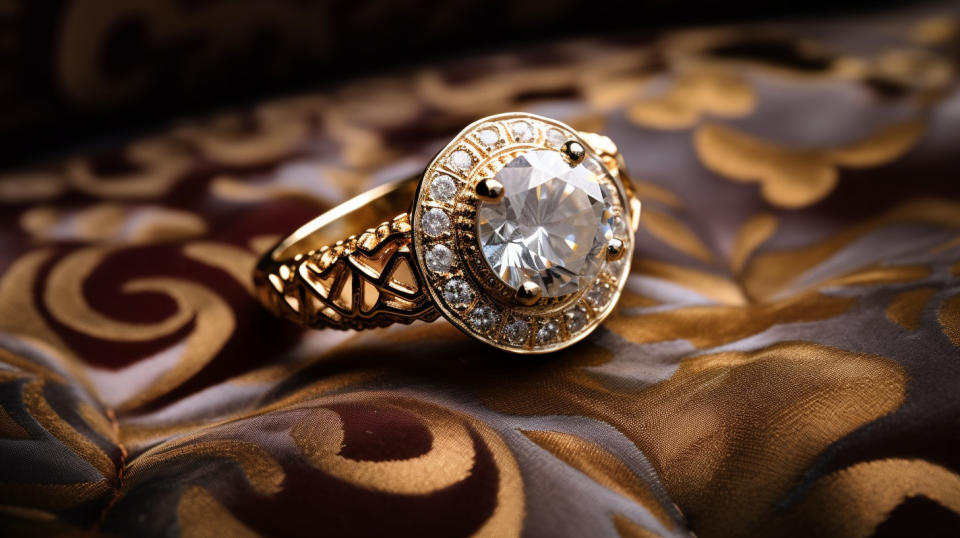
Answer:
(784, 360)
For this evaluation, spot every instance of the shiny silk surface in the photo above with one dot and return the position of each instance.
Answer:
(785, 360)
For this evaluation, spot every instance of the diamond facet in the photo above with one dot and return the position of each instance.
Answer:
(461, 160)
(555, 137)
(575, 319)
(548, 332)
(483, 318)
(435, 222)
(517, 331)
(458, 293)
(599, 295)
(488, 136)
(438, 258)
(551, 227)
(522, 131)
(443, 188)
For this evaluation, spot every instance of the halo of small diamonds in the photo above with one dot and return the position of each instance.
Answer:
(449, 253)
(461, 160)
(438, 258)
(483, 318)
(443, 188)
(458, 293)
(435, 223)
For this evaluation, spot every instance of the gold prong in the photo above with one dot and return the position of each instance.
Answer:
(573, 152)
(615, 249)
(528, 293)
(490, 190)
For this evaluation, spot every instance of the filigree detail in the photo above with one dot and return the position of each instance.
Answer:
(366, 280)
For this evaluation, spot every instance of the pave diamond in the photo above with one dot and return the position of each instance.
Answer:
(461, 160)
(522, 131)
(555, 137)
(438, 258)
(548, 332)
(517, 331)
(458, 293)
(443, 188)
(435, 222)
(599, 295)
(551, 227)
(483, 318)
(575, 318)
(489, 136)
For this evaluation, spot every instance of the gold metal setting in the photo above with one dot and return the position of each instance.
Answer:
(490, 190)
(364, 281)
(616, 248)
(427, 261)
(573, 151)
(528, 293)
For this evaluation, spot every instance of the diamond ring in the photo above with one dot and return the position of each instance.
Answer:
(519, 232)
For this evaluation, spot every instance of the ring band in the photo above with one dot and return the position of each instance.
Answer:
(519, 232)
(317, 278)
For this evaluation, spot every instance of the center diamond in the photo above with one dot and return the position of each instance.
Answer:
(550, 227)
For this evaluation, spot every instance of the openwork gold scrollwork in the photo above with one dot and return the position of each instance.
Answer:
(367, 280)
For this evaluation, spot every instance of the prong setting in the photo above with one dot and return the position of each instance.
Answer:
(573, 152)
(523, 299)
(616, 248)
(490, 190)
(528, 293)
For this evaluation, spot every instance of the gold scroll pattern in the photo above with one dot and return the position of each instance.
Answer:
(796, 177)
(731, 429)
(315, 433)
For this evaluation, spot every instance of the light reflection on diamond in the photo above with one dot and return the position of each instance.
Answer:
(443, 188)
(517, 331)
(548, 332)
(488, 136)
(522, 131)
(599, 295)
(438, 258)
(461, 160)
(575, 319)
(435, 222)
(555, 137)
(483, 318)
(458, 293)
(551, 227)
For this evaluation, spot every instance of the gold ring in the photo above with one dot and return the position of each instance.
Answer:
(519, 232)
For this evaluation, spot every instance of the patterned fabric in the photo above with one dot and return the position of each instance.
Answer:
(785, 360)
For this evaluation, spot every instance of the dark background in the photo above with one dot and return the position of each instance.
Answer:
(74, 72)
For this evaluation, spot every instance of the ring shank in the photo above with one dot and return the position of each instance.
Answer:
(317, 278)
(358, 213)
